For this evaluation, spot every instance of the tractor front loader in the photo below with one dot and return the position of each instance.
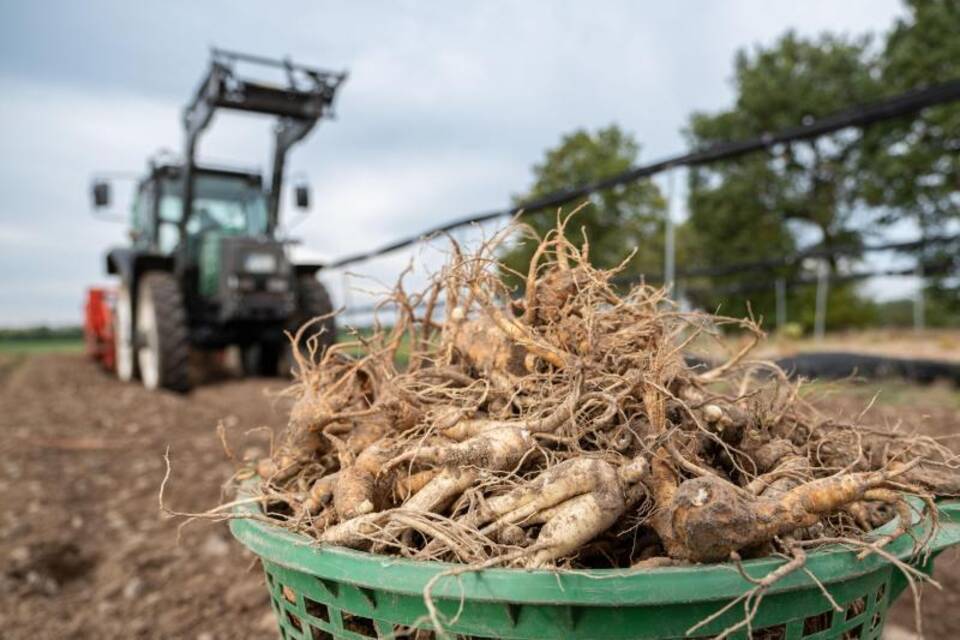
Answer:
(206, 268)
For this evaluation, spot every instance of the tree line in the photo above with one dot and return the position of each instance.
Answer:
(840, 190)
(41, 332)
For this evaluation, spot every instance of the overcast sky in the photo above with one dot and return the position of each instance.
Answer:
(446, 108)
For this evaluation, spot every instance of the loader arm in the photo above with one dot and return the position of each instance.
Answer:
(307, 97)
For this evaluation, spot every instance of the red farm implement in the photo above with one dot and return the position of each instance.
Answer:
(98, 326)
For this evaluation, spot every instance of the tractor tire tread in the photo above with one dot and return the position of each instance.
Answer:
(313, 300)
(172, 329)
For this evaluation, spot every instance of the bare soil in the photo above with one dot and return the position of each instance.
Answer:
(931, 344)
(932, 410)
(85, 550)
(86, 553)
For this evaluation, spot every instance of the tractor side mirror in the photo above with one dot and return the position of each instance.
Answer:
(101, 194)
(302, 196)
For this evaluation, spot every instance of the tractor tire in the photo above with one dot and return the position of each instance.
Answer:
(126, 359)
(262, 359)
(313, 301)
(163, 344)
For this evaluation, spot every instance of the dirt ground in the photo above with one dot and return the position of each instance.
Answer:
(931, 344)
(86, 553)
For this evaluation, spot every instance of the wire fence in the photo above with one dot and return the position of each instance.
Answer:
(861, 116)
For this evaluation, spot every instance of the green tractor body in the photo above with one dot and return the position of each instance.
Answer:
(206, 268)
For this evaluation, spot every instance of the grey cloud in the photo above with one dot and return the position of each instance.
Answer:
(446, 108)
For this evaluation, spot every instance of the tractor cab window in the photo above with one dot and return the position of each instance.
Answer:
(142, 215)
(231, 205)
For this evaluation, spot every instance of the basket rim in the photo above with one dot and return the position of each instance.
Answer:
(618, 587)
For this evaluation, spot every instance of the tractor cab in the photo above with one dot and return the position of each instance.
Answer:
(206, 269)
(225, 202)
(234, 269)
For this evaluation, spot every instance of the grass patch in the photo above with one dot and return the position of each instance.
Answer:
(896, 394)
(41, 345)
(403, 350)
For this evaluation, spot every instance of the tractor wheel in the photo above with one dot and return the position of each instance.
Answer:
(123, 334)
(163, 347)
(262, 359)
(313, 301)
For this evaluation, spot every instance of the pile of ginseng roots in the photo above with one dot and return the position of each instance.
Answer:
(556, 424)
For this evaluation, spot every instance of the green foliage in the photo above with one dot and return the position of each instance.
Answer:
(751, 207)
(914, 163)
(846, 309)
(40, 333)
(896, 313)
(844, 186)
(943, 294)
(899, 313)
(50, 345)
(617, 220)
(913, 168)
(41, 339)
(838, 189)
(811, 182)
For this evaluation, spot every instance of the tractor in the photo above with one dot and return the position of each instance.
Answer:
(207, 267)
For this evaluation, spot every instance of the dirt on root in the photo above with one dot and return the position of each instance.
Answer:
(86, 553)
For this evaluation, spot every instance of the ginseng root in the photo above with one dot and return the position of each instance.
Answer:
(710, 517)
(496, 449)
(559, 424)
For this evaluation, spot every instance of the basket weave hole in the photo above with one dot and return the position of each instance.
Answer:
(316, 609)
(856, 607)
(775, 632)
(401, 632)
(320, 634)
(359, 625)
(817, 622)
(295, 621)
(855, 633)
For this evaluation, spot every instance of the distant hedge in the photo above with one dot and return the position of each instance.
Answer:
(41, 333)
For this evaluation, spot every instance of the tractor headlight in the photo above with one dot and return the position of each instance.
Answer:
(278, 285)
(260, 263)
(241, 283)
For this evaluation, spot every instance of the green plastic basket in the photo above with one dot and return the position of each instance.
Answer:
(330, 592)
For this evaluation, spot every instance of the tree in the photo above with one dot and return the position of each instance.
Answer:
(913, 164)
(756, 206)
(732, 221)
(813, 183)
(617, 220)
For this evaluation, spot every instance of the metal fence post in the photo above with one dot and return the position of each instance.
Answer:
(345, 288)
(669, 258)
(919, 311)
(781, 293)
(820, 312)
